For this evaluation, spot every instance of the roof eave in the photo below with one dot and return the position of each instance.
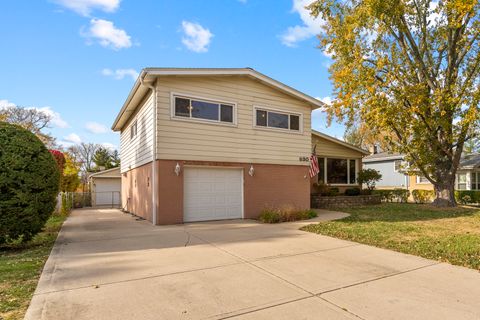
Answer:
(156, 72)
(343, 143)
(128, 100)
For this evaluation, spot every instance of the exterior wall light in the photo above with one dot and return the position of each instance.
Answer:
(251, 171)
(177, 169)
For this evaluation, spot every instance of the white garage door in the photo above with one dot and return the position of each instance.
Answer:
(212, 194)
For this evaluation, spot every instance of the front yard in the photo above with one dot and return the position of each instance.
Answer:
(20, 269)
(448, 235)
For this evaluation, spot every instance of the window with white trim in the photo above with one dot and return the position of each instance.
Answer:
(277, 119)
(397, 165)
(204, 110)
(475, 180)
(461, 181)
(133, 130)
(422, 179)
(337, 171)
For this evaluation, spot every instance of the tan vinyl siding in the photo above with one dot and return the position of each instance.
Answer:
(331, 149)
(138, 151)
(188, 140)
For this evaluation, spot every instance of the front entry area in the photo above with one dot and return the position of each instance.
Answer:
(212, 193)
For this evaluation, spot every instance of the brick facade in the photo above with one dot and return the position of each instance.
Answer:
(271, 185)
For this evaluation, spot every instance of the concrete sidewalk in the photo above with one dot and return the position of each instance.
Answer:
(108, 265)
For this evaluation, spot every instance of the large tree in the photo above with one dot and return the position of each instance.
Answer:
(361, 136)
(83, 154)
(34, 120)
(103, 159)
(410, 67)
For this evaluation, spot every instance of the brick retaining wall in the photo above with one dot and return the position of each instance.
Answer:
(323, 202)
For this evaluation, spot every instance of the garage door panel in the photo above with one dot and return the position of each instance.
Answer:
(212, 194)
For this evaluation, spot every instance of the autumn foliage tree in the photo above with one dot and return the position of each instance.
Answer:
(409, 67)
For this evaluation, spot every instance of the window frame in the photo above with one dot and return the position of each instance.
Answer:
(325, 171)
(457, 181)
(190, 97)
(133, 129)
(417, 180)
(395, 165)
(475, 184)
(281, 111)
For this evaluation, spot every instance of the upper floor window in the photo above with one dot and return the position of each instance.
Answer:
(193, 108)
(133, 130)
(277, 119)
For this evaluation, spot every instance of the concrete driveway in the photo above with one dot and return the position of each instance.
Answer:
(108, 265)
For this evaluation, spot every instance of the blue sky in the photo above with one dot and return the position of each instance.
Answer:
(77, 59)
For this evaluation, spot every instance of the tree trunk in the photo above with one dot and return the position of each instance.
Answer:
(444, 195)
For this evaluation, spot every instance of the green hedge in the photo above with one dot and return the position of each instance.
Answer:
(29, 183)
(422, 196)
(393, 195)
(474, 195)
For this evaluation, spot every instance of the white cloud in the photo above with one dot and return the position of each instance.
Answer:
(196, 38)
(119, 74)
(6, 104)
(109, 146)
(55, 118)
(72, 138)
(311, 26)
(85, 7)
(96, 128)
(107, 34)
(327, 100)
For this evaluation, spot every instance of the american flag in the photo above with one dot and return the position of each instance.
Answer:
(314, 169)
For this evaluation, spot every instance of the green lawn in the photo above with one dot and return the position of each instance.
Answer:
(450, 235)
(20, 268)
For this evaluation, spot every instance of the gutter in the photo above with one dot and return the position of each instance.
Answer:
(154, 148)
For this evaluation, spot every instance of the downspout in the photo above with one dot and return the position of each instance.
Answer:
(154, 150)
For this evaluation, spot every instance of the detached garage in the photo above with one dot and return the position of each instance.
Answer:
(106, 188)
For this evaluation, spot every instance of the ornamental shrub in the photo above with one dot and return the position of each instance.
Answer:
(333, 192)
(285, 213)
(352, 192)
(369, 177)
(422, 196)
(386, 195)
(29, 182)
(400, 195)
(473, 194)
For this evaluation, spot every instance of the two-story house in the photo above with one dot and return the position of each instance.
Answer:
(211, 144)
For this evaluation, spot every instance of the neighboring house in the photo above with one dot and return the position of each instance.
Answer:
(105, 187)
(467, 178)
(390, 167)
(210, 144)
(339, 162)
